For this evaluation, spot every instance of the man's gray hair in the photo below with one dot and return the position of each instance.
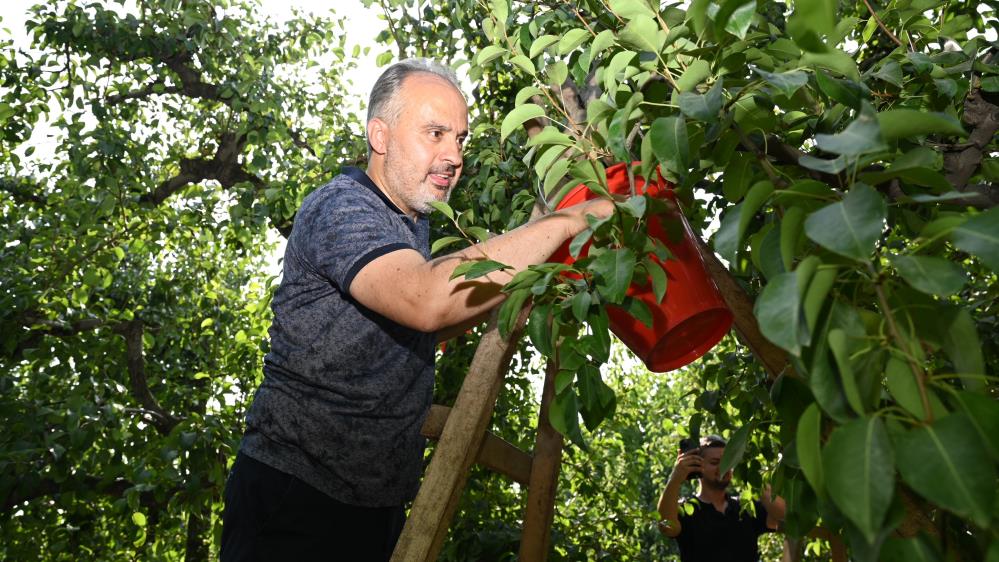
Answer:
(382, 102)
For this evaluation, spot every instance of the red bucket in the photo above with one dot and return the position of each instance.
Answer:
(692, 317)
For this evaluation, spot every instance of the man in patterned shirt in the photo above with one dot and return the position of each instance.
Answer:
(332, 450)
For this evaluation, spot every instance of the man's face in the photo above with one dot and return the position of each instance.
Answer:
(423, 146)
(709, 469)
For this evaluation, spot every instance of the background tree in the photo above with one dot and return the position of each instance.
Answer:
(134, 300)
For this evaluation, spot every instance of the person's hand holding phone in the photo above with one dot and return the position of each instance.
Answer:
(689, 461)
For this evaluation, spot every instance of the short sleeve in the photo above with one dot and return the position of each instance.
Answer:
(345, 229)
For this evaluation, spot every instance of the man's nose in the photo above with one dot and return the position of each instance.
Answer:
(452, 154)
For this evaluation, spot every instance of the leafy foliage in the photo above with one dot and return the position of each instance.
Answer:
(847, 151)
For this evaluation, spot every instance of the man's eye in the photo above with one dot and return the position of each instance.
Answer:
(436, 134)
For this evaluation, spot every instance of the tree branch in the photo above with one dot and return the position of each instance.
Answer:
(22, 191)
(982, 118)
(43, 487)
(190, 79)
(132, 332)
(223, 167)
(149, 90)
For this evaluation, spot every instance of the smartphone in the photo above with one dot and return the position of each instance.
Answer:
(686, 445)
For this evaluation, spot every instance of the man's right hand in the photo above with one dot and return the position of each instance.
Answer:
(686, 463)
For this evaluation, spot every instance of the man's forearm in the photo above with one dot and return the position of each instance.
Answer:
(420, 294)
(669, 508)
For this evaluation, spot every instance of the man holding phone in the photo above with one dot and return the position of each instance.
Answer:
(716, 529)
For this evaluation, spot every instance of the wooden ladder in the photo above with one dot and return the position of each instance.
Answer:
(464, 439)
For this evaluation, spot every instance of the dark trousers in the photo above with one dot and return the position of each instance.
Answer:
(270, 515)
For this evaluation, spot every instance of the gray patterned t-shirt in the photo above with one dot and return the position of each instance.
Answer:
(345, 390)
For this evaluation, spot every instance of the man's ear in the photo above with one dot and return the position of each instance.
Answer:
(378, 132)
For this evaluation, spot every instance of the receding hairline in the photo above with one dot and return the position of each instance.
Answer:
(392, 107)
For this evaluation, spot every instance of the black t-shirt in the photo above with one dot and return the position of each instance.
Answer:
(711, 536)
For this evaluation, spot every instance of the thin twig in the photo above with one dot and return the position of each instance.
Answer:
(881, 24)
(897, 336)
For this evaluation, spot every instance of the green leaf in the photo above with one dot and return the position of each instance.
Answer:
(542, 43)
(598, 399)
(980, 236)
(833, 59)
(571, 40)
(702, 107)
(915, 549)
(726, 240)
(614, 269)
(441, 243)
(840, 350)
(696, 72)
(859, 468)
(523, 63)
(846, 92)
(139, 519)
(640, 33)
(959, 339)
(815, 296)
(834, 166)
(518, 116)
(658, 277)
(599, 324)
(509, 311)
(735, 448)
(911, 123)
(755, 198)
(943, 462)
(618, 63)
(669, 142)
(581, 305)
(735, 17)
(851, 227)
(778, 311)
(930, 274)
(489, 54)
(818, 15)
(557, 72)
(790, 234)
(787, 82)
(808, 440)
(525, 93)
(564, 416)
(617, 132)
(862, 136)
(634, 206)
(539, 329)
(638, 310)
(631, 9)
(902, 385)
(738, 174)
(555, 175)
(500, 9)
(603, 40)
(475, 269)
(983, 414)
(444, 208)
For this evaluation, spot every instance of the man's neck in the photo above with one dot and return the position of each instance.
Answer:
(713, 496)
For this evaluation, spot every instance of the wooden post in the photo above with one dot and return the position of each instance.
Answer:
(437, 500)
(535, 537)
